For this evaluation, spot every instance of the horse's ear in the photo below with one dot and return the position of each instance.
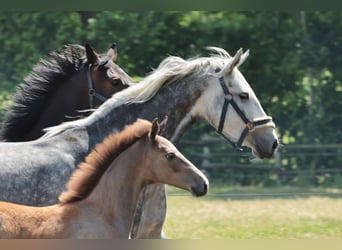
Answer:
(92, 56)
(113, 52)
(162, 124)
(237, 60)
(155, 129)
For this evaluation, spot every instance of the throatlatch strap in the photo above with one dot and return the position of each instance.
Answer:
(224, 86)
(92, 91)
(90, 86)
(223, 116)
(225, 104)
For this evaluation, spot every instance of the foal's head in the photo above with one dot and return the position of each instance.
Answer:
(163, 163)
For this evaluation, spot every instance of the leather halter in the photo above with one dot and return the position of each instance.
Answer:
(250, 125)
(92, 92)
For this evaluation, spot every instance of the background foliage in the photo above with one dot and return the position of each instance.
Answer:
(294, 66)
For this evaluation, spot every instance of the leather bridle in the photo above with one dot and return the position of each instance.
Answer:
(250, 125)
(92, 92)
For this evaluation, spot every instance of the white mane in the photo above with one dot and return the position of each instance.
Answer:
(169, 71)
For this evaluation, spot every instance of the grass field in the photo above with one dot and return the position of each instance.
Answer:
(284, 213)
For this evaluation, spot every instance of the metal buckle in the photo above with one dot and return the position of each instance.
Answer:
(228, 97)
(91, 92)
(250, 125)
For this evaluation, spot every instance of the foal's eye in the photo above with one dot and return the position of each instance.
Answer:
(170, 156)
(244, 96)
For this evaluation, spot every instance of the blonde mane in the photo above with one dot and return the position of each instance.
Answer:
(89, 172)
(170, 70)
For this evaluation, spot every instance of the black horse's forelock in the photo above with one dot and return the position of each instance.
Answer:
(32, 95)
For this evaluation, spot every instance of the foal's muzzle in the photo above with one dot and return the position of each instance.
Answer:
(200, 191)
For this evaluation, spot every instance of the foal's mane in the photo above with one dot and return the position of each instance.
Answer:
(170, 71)
(32, 95)
(89, 172)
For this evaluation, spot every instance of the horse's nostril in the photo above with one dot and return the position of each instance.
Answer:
(275, 144)
(205, 187)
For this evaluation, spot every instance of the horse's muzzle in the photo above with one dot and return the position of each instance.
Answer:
(265, 152)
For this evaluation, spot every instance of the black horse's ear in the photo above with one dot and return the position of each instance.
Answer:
(155, 128)
(162, 125)
(113, 52)
(92, 56)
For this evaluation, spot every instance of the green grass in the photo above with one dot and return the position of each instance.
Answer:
(265, 217)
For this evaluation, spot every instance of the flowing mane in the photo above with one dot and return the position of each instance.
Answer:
(32, 95)
(89, 173)
(170, 70)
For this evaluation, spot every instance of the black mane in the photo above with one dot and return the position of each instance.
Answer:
(32, 95)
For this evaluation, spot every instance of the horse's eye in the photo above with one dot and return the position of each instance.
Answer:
(116, 81)
(170, 156)
(244, 96)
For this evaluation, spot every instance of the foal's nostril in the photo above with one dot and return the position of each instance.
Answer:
(275, 144)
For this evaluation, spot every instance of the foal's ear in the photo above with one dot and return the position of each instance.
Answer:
(237, 60)
(155, 129)
(162, 124)
(113, 52)
(92, 56)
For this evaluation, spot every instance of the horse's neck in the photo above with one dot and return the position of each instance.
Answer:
(70, 97)
(174, 101)
(63, 105)
(117, 193)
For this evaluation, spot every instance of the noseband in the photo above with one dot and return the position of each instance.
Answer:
(92, 92)
(250, 125)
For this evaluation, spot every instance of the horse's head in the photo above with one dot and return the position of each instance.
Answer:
(237, 114)
(104, 76)
(167, 165)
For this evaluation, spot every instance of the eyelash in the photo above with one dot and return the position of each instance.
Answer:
(170, 156)
(244, 96)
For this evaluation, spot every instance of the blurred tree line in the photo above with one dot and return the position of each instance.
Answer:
(294, 66)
